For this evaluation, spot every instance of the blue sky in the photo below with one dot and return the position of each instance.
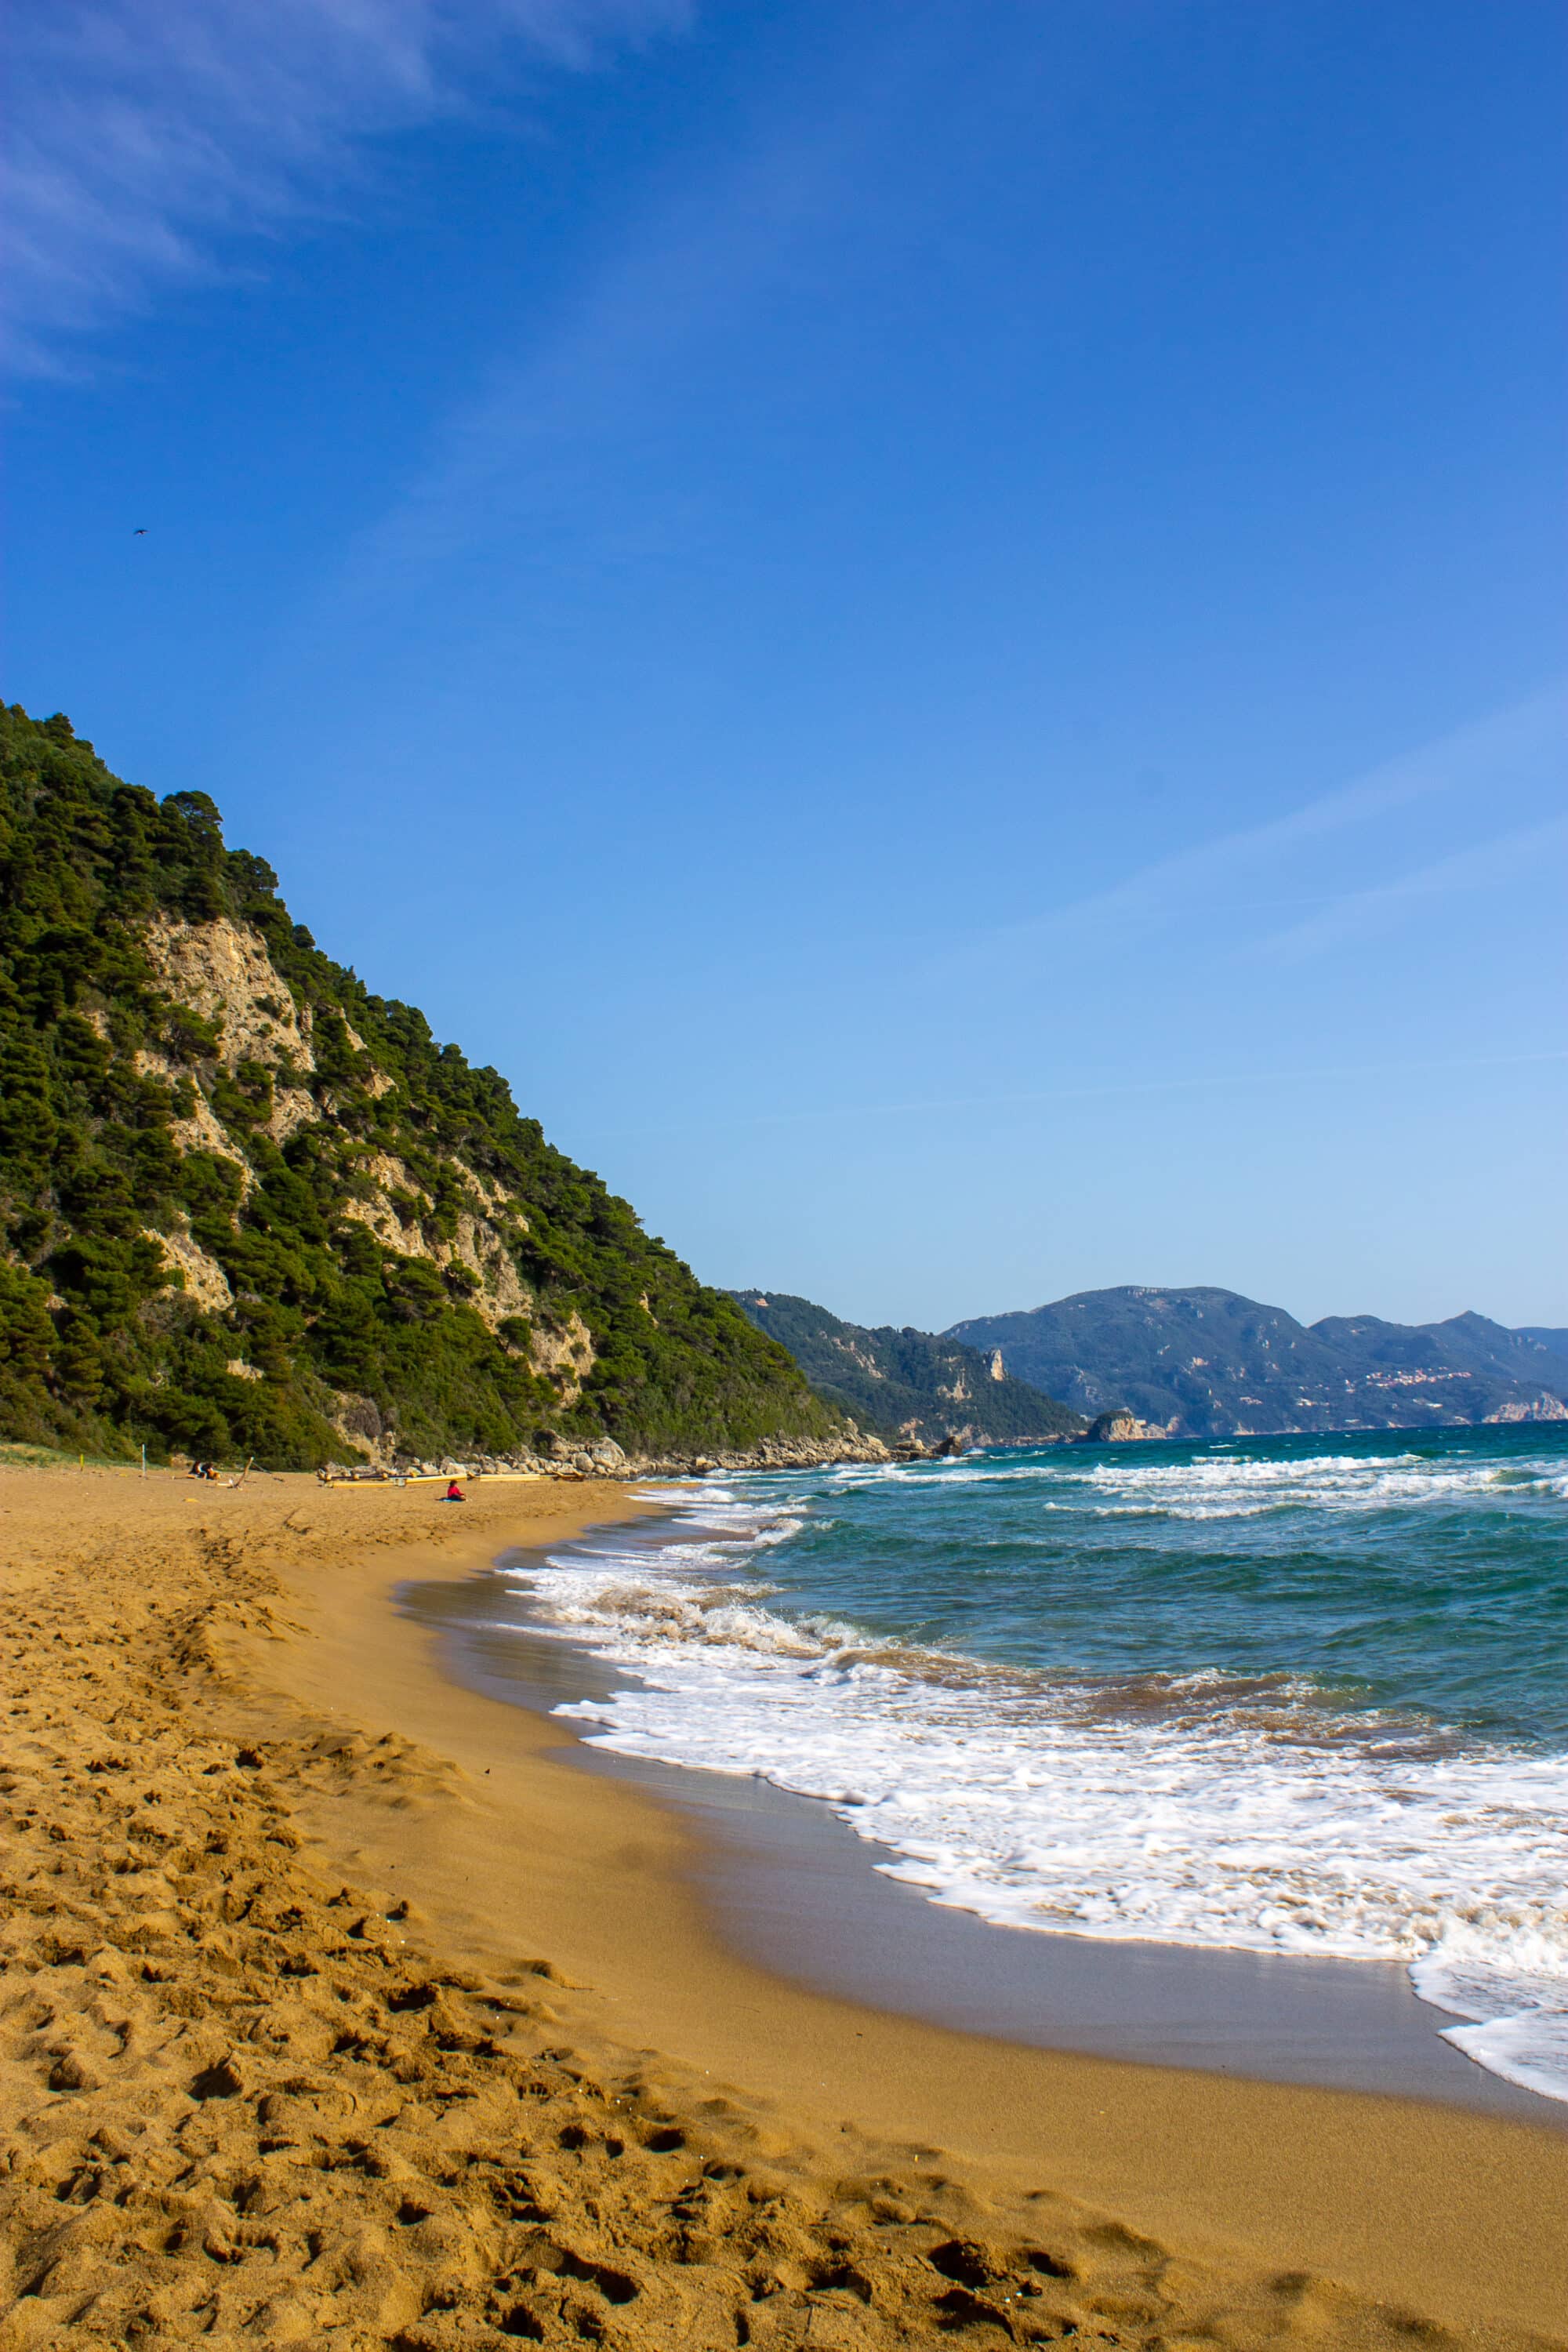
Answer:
(939, 626)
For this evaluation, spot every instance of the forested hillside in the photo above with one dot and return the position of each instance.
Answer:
(249, 1207)
(906, 1382)
(1204, 1362)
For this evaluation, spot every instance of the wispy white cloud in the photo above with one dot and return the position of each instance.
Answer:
(547, 452)
(1509, 753)
(144, 139)
(1479, 866)
(838, 1113)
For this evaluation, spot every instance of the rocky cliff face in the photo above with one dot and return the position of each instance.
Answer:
(1209, 1363)
(225, 975)
(249, 1207)
(1542, 1407)
(906, 1383)
(1121, 1429)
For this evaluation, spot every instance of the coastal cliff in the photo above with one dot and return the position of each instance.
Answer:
(1120, 1429)
(909, 1385)
(1204, 1362)
(249, 1207)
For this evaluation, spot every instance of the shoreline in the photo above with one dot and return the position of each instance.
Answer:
(1364, 2185)
(793, 1888)
(875, 1934)
(836, 2171)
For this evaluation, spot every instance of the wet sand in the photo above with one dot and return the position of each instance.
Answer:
(340, 2008)
(791, 1887)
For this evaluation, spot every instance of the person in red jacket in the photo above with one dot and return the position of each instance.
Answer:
(454, 1493)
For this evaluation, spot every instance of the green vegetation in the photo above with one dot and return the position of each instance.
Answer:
(246, 1206)
(53, 1457)
(906, 1382)
(1208, 1364)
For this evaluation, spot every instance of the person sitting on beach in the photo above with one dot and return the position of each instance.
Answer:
(454, 1493)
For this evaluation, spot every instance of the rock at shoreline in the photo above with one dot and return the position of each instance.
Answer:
(1119, 1427)
(602, 1457)
(1544, 1407)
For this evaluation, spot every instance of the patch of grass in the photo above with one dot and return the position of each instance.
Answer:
(51, 1457)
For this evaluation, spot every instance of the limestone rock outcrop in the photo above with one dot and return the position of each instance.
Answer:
(1119, 1428)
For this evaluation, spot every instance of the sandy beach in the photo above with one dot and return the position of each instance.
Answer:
(337, 2009)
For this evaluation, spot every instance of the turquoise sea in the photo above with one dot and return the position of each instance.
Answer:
(1299, 1695)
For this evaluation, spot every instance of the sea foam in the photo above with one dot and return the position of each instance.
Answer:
(1199, 1807)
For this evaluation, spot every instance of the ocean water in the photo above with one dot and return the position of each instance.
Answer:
(1288, 1696)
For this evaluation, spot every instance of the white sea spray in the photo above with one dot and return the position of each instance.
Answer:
(1191, 1807)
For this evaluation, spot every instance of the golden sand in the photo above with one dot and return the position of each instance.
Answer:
(337, 2009)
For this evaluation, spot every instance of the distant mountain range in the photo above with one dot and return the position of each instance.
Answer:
(906, 1383)
(1198, 1363)
(1208, 1364)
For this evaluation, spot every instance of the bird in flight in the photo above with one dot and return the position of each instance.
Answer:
(139, 534)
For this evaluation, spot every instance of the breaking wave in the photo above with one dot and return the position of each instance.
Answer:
(1267, 1811)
